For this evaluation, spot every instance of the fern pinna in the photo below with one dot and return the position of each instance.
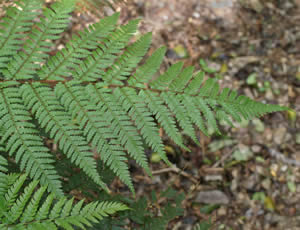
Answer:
(33, 209)
(93, 96)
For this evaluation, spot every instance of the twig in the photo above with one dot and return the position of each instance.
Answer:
(223, 158)
(176, 170)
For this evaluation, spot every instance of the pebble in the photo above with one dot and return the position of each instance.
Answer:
(268, 134)
(212, 197)
(222, 211)
(284, 168)
(196, 15)
(260, 170)
(213, 178)
(279, 135)
(256, 148)
(266, 184)
(250, 182)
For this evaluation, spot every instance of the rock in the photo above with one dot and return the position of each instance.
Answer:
(269, 95)
(256, 5)
(213, 178)
(279, 135)
(212, 197)
(284, 168)
(297, 156)
(108, 11)
(268, 135)
(234, 185)
(260, 170)
(243, 153)
(256, 148)
(214, 66)
(266, 184)
(259, 125)
(249, 213)
(250, 182)
(222, 211)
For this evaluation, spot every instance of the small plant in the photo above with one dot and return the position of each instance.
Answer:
(93, 100)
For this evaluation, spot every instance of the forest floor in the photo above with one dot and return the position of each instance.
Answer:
(249, 178)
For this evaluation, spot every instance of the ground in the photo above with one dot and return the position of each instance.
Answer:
(249, 178)
(251, 174)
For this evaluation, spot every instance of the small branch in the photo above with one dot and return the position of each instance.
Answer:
(178, 171)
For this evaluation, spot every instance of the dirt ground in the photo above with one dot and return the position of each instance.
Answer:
(251, 174)
(248, 178)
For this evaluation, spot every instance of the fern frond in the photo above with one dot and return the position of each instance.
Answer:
(18, 20)
(145, 72)
(178, 110)
(94, 95)
(51, 116)
(193, 112)
(25, 211)
(164, 80)
(24, 64)
(63, 63)
(179, 83)
(96, 128)
(3, 170)
(121, 123)
(207, 112)
(128, 61)
(3, 162)
(22, 140)
(142, 118)
(16, 209)
(94, 66)
(163, 115)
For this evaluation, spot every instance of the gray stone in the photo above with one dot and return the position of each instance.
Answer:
(213, 178)
(212, 197)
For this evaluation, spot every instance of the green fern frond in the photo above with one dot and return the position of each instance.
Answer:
(142, 118)
(164, 80)
(121, 124)
(163, 115)
(22, 140)
(3, 162)
(3, 170)
(62, 64)
(32, 209)
(95, 100)
(95, 128)
(24, 64)
(51, 116)
(18, 20)
(94, 66)
(144, 73)
(128, 61)
(177, 108)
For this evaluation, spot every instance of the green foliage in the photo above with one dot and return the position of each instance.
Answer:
(147, 214)
(33, 209)
(203, 225)
(93, 95)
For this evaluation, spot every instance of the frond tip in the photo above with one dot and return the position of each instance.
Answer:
(33, 209)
